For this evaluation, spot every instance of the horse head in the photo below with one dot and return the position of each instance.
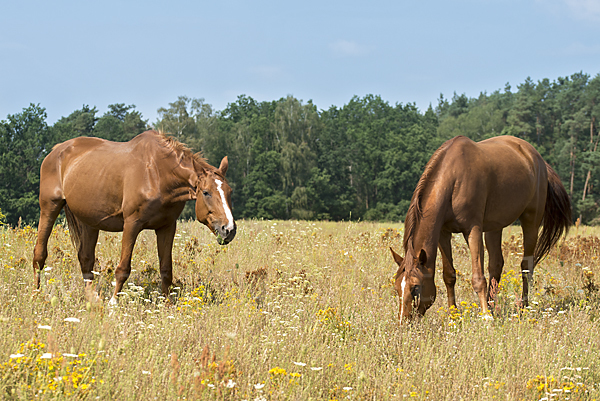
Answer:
(414, 284)
(213, 203)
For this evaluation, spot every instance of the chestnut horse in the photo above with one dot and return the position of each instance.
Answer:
(128, 187)
(476, 188)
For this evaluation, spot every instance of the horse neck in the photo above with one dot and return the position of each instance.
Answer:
(426, 234)
(183, 179)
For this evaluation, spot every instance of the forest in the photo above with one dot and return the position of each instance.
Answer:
(361, 161)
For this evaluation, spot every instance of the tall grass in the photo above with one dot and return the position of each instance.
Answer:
(293, 310)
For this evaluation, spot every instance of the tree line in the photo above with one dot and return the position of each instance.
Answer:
(288, 159)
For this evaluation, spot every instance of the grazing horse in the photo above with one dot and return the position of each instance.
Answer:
(476, 188)
(128, 187)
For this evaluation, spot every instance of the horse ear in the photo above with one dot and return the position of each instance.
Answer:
(397, 257)
(224, 165)
(422, 257)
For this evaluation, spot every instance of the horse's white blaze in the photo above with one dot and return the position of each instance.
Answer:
(225, 207)
(402, 285)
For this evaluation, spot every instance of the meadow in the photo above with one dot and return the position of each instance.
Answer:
(293, 310)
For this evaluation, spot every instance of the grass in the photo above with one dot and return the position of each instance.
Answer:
(293, 310)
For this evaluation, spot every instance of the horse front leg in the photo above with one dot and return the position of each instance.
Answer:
(475, 240)
(164, 242)
(445, 246)
(123, 270)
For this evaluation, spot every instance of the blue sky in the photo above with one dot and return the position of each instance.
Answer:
(63, 55)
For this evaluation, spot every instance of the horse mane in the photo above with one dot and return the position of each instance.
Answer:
(415, 214)
(181, 149)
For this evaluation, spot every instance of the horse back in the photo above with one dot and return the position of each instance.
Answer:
(495, 180)
(103, 181)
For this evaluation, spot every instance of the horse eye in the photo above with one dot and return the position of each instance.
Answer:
(205, 193)
(416, 291)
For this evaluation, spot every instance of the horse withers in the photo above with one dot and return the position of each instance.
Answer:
(129, 187)
(478, 189)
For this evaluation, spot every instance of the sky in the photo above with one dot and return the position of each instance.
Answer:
(66, 54)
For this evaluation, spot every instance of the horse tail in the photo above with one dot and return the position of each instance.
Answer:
(74, 228)
(557, 215)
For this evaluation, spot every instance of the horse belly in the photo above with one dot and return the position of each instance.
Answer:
(509, 198)
(100, 215)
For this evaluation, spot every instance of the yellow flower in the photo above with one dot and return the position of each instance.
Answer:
(276, 371)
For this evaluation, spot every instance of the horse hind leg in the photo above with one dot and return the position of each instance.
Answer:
(493, 243)
(87, 258)
(530, 234)
(49, 211)
(530, 222)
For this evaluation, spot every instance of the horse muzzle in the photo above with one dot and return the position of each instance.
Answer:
(224, 235)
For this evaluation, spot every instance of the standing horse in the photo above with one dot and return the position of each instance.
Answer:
(476, 188)
(128, 187)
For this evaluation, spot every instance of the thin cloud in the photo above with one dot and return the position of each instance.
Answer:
(345, 48)
(580, 49)
(585, 9)
(268, 71)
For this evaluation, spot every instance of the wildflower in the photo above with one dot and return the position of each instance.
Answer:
(299, 363)
(315, 368)
(44, 327)
(346, 388)
(145, 372)
(258, 386)
(230, 384)
(278, 371)
(46, 355)
(72, 320)
(13, 356)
